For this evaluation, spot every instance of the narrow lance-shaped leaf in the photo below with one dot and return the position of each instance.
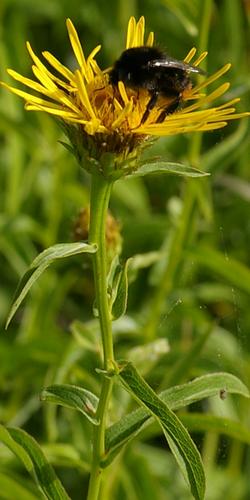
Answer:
(121, 274)
(33, 458)
(176, 397)
(120, 303)
(161, 167)
(179, 441)
(41, 263)
(73, 397)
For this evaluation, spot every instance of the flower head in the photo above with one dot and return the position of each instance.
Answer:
(102, 119)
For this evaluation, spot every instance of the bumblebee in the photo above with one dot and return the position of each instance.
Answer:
(152, 69)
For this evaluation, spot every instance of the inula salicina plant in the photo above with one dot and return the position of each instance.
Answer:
(111, 119)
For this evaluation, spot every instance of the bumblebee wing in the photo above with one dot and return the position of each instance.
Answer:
(174, 63)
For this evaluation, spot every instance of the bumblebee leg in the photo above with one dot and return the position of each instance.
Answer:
(151, 104)
(171, 108)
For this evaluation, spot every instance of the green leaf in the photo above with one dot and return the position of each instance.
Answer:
(120, 275)
(6, 438)
(119, 304)
(73, 397)
(179, 441)
(113, 278)
(235, 272)
(34, 460)
(41, 263)
(176, 397)
(163, 167)
(199, 422)
(203, 387)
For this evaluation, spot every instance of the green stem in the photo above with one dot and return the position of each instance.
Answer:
(99, 201)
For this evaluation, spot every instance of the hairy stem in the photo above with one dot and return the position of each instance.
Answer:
(99, 201)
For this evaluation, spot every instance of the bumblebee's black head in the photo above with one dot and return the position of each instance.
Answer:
(132, 68)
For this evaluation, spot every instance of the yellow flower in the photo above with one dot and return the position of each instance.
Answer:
(104, 118)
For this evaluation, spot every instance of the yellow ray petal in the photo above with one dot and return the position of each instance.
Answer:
(171, 120)
(43, 68)
(28, 82)
(97, 71)
(131, 32)
(92, 65)
(229, 103)
(161, 130)
(236, 116)
(215, 94)
(150, 39)
(140, 30)
(190, 55)
(123, 92)
(76, 45)
(199, 59)
(207, 98)
(212, 126)
(58, 66)
(44, 79)
(212, 78)
(124, 113)
(83, 94)
(117, 105)
(26, 95)
(53, 91)
(52, 110)
(94, 52)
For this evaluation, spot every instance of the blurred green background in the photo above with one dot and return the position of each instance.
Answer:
(203, 228)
